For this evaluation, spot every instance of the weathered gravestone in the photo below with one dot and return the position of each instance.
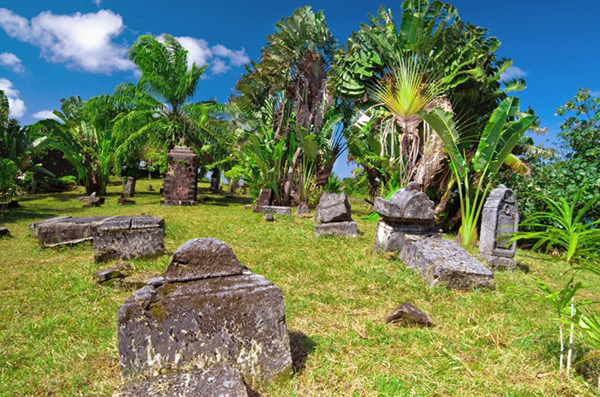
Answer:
(210, 309)
(121, 237)
(181, 178)
(265, 196)
(408, 211)
(220, 380)
(129, 188)
(334, 216)
(126, 237)
(500, 218)
(444, 262)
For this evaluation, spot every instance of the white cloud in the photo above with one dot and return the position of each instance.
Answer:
(512, 72)
(595, 93)
(45, 114)
(236, 58)
(97, 2)
(218, 66)
(11, 61)
(200, 53)
(16, 105)
(82, 41)
(198, 50)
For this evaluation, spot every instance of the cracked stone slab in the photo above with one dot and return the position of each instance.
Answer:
(444, 262)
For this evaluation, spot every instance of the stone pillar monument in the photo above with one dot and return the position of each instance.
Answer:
(500, 217)
(129, 188)
(181, 179)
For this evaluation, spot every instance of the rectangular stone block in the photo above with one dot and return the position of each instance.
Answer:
(68, 231)
(349, 229)
(390, 236)
(127, 244)
(274, 209)
(196, 324)
(445, 262)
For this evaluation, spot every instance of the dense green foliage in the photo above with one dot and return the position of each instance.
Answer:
(561, 174)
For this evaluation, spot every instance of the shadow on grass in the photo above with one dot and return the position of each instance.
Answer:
(522, 267)
(223, 201)
(301, 346)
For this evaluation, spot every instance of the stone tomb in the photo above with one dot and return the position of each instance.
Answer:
(126, 237)
(129, 188)
(408, 211)
(122, 237)
(181, 178)
(265, 196)
(445, 262)
(500, 218)
(211, 309)
(334, 216)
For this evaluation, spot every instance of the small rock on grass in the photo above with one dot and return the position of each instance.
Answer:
(409, 313)
(269, 217)
(105, 276)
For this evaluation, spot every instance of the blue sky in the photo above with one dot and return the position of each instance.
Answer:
(52, 50)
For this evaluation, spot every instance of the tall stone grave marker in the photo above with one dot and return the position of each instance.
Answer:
(210, 309)
(129, 189)
(181, 179)
(500, 217)
(408, 211)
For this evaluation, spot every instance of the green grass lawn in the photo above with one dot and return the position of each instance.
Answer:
(58, 333)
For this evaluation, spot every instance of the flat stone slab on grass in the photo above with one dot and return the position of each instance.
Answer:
(51, 233)
(349, 229)
(444, 262)
(275, 209)
(220, 380)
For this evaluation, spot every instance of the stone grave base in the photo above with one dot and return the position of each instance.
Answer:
(216, 381)
(349, 229)
(179, 203)
(390, 236)
(444, 262)
(275, 209)
(499, 262)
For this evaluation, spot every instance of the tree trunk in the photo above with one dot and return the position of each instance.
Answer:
(215, 180)
(287, 188)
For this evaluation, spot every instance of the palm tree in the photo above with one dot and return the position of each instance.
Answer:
(158, 109)
(16, 142)
(293, 73)
(430, 59)
(88, 148)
